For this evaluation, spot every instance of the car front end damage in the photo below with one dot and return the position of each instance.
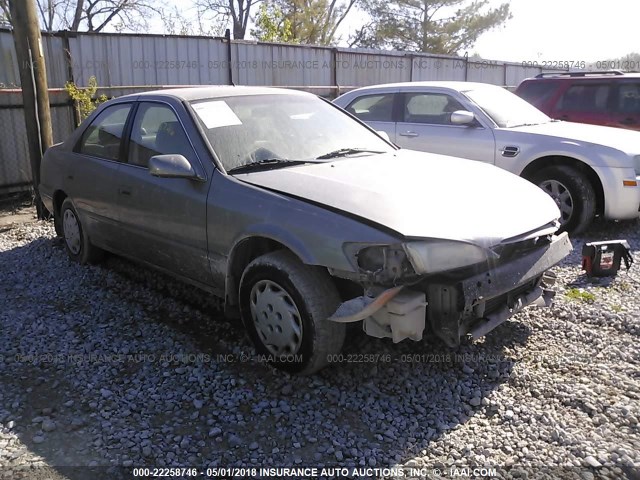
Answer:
(462, 290)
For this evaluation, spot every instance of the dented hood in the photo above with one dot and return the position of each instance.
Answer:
(420, 195)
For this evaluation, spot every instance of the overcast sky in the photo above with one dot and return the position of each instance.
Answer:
(555, 30)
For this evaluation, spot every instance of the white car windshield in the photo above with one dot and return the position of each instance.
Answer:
(505, 108)
(282, 129)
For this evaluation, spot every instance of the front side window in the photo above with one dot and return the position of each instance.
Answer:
(103, 137)
(373, 108)
(433, 108)
(156, 130)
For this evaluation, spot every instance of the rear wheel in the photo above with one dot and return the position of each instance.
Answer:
(76, 239)
(285, 305)
(573, 193)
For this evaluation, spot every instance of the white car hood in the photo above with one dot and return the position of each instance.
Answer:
(627, 141)
(421, 195)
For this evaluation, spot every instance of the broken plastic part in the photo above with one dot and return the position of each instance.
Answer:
(362, 307)
(402, 317)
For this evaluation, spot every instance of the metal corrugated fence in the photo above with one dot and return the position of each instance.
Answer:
(125, 63)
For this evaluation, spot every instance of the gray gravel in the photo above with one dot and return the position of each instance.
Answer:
(114, 365)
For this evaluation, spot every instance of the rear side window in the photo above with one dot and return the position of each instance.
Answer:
(373, 108)
(585, 98)
(103, 137)
(536, 93)
(628, 100)
(156, 130)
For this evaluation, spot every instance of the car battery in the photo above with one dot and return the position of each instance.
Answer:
(602, 259)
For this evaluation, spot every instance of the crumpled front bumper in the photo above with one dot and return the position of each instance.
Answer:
(476, 305)
(462, 308)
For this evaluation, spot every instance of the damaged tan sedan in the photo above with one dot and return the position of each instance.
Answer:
(302, 218)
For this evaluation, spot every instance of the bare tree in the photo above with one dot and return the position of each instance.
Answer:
(177, 22)
(96, 15)
(236, 11)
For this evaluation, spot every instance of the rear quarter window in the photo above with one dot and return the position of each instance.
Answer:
(537, 93)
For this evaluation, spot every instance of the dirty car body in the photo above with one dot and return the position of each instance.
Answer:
(301, 218)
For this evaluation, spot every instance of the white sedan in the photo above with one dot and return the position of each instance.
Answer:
(588, 170)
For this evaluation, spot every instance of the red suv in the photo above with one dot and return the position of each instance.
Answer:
(610, 98)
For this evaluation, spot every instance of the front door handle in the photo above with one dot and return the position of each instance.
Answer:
(628, 121)
(408, 134)
(124, 191)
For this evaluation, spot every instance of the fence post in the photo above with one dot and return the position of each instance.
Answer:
(227, 37)
(35, 91)
(466, 66)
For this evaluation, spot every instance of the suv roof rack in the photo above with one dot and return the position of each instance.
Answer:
(579, 74)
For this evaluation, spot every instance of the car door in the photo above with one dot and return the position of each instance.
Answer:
(163, 220)
(626, 109)
(585, 103)
(425, 124)
(377, 111)
(92, 179)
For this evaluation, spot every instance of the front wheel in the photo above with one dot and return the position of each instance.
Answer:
(573, 193)
(76, 239)
(284, 306)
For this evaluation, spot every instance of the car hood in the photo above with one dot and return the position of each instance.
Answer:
(421, 195)
(628, 141)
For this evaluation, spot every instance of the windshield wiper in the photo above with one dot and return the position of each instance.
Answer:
(267, 163)
(342, 152)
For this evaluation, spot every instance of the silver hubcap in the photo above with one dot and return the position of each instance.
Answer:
(71, 231)
(276, 318)
(561, 196)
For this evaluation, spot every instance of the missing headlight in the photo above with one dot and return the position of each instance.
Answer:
(386, 262)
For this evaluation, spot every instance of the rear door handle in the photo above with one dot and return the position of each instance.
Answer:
(408, 134)
(628, 121)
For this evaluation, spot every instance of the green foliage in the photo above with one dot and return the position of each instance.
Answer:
(84, 97)
(580, 295)
(311, 22)
(433, 26)
(271, 25)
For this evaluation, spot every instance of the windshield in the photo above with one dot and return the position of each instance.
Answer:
(288, 128)
(505, 108)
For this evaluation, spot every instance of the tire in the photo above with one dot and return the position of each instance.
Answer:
(572, 192)
(57, 223)
(277, 287)
(76, 239)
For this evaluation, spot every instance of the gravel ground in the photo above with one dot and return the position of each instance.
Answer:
(114, 365)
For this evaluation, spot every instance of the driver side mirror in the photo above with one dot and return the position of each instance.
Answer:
(172, 166)
(462, 117)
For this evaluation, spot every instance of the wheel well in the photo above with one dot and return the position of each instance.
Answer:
(58, 198)
(244, 253)
(250, 249)
(556, 160)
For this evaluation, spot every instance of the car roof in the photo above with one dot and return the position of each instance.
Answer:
(585, 76)
(453, 85)
(216, 91)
